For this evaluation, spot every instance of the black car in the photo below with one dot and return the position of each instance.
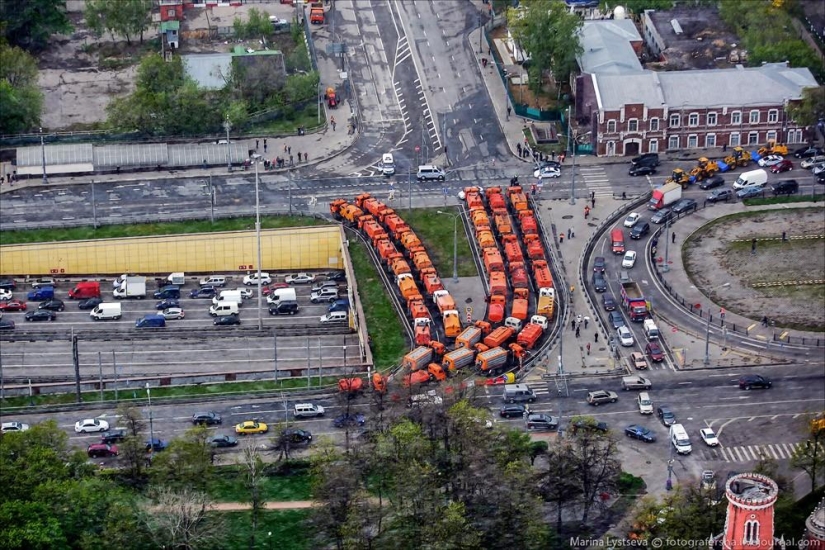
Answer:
(787, 187)
(684, 206)
(166, 304)
(52, 305)
(640, 432)
(807, 152)
(8, 284)
(512, 410)
(113, 436)
(616, 319)
(662, 216)
(599, 264)
(642, 170)
(41, 315)
(89, 303)
(156, 445)
(206, 418)
(542, 421)
(339, 275)
(718, 195)
(599, 283)
(296, 436)
(666, 415)
(349, 419)
(714, 181)
(608, 302)
(222, 441)
(754, 381)
(648, 159)
(203, 292)
(639, 230)
(588, 423)
(227, 320)
(287, 307)
(820, 178)
(6, 324)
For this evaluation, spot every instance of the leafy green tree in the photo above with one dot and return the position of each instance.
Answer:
(186, 463)
(257, 25)
(126, 18)
(557, 479)
(595, 467)
(30, 24)
(21, 101)
(811, 108)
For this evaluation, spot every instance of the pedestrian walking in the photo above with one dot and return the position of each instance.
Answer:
(673, 238)
(533, 189)
(577, 332)
(285, 148)
(552, 155)
(289, 150)
(724, 147)
(518, 148)
(572, 324)
(306, 157)
(753, 247)
(593, 202)
(588, 348)
(586, 321)
(290, 161)
(592, 195)
(578, 320)
(299, 156)
(256, 144)
(561, 157)
(561, 238)
(509, 110)
(569, 234)
(596, 337)
(765, 321)
(586, 212)
(332, 122)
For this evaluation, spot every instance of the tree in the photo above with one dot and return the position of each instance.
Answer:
(685, 514)
(181, 519)
(21, 101)
(119, 17)
(594, 465)
(557, 482)
(186, 463)
(253, 480)
(132, 450)
(637, 6)
(810, 110)
(30, 24)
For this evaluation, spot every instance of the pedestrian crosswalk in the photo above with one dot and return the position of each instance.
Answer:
(750, 453)
(595, 179)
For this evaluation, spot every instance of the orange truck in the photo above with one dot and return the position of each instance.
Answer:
(418, 358)
(458, 359)
(432, 283)
(520, 305)
(385, 249)
(529, 335)
(547, 302)
(393, 222)
(383, 213)
(527, 223)
(335, 208)
(485, 239)
(412, 301)
(492, 260)
(379, 383)
(494, 198)
(541, 273)
(443, 300)
(378, 237)
(474, 201)
(361, 200)
(406, 285)
(398, 265)
(452, 323)
(417, 308)
(495, 308)
(351, 213)
(518, 275)
(469, 337)
(352, 387)
(499, 337)
(498, 284)
(421, 260)
(490, 361)
(422, 331)
(480, 219)
(512, 248)
(502, 221)
(518, 200)
(535, 250)
(410, 240)
(316, 13)
(373, 228)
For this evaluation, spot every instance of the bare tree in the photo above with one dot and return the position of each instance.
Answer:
(810, 456)
(557, 482)
(254, 467)
(131, 419)
(132, 450)
(595, 466)
(181, 519)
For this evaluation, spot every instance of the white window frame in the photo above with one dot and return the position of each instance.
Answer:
(751, 535)
(753, 138)
(654, 124)
(735, 140)
(736, 117)
(712, 119)
(693, 120)
(611, 126)
(753, 116)
(710, 140)
(631, 122)
(673, 142)
(674, 120)
(692, 141)
(773, 115)
(795, 135)
(653, 147)
(770, 136)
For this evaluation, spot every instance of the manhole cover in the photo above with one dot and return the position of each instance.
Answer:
(568, 217)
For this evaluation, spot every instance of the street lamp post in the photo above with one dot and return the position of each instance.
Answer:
(345, 356)
(707, 327)
(455, 243)
(151, 423)
(228, 125)
(94, 207)
(669, 483)
(573, 153)
(43, 156)
(258, 237)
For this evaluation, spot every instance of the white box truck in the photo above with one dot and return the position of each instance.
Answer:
(131, 287)
(665, 195)
(279, 295)
(229, 296)
(178, 279)
(106, 311)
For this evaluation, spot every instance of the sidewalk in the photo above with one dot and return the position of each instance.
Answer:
(269, 505)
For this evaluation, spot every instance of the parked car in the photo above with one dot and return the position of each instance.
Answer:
(640, 432)
(616, 319)
(13, 305)
(709, 437)
(43, 281)
(88, 425)
(718, 195)
(227, 320)
(818, 169)
(662, 216)
(641, 170)
(89, 303)
(770, 160)
(625, 336)
(324, 284)
(6, 324)
(629, 259)
(547, 172)
(713, 181)
(101, 450)
(666, 415)
(221, 440)
(512, 410)
(300, 279)
(640, 230)
(248, 427)
(113, 436)
(784, 166)
(543, 163)
(598, 397)
(41, 315)
(252, 279)
(156, 445)
(296, 436)
(203, 292)
(166, 304)
(649, 159)
(599, 264)
(173, 313)
(654, 351)
(807, 152)
(608, 302)
(541, 421)
(339, 275)
(8, 284)
(684, 206)
(810, 162)
(632, 219)
(5, 294)
(751, 381)
(587, 423)
(349, 419)
(206, 418)
(748, 192)
(326, 294)
(10, 427)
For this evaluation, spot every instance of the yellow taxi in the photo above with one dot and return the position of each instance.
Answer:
(251, 427)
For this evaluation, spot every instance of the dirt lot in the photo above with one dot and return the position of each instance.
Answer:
(712, 257)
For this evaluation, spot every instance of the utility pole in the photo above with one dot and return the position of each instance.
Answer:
(94, 207)
(572, 147)
(43, 156)
(666, 267)
(409, 188)
(228, 125)
(258, 237)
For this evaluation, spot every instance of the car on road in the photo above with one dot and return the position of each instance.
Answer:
(89, 425)
(599, 282)
(543, 163)
(666, 415)
(713, 181)
(654, 351)
(284, 307)
(5, 294)
(203, 292)
(640, 432)
(227, 320)
(300, 279)
(662, 216)
(156, 445)
(173, 313)
(10, 427)
(246, 293)
(587, 423)
(641, 170)
(599, 264)
(512, 410)
(709, 437)
(252, 279)
(818, 169)
(749, 192)
(44, 281)
(810, 162)
(770, 160)
(222, 441)
(13, 305)
(718, 195)
(7, 284)
(101, 450)
(296, 436)
(684, 206)
(807, 152)
(625, 336)
(598, 397)
(326, 294)
(649, 159)
(338, 275)
(784, 166)
(547, 172)
(89, 303)
(266, 291)
(52, 305)
(640, 230)
(387, 165)
(629, 259)
(166, 304)
(248, 427)
(113, 436)
(608, 302)
(541, 421)
(6, 324)
(632, 219)
(349, 419)
(317, 287)
(616, 320)
(41, 315)
(751, 381)
(206, 418)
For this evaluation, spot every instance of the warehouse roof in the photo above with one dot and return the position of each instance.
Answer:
(606, 47)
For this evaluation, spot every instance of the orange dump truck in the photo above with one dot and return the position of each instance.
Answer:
(432, 284)
(498, 284)
(495, 309)
(410, 240)
(458, 359)
(512, 249)
(452, 323)
(490, 361)
(518, 275)
(535, 250)
(485, 239)
(422, 332)
(335, 208)
(383, 213)
(372, 228)
(469, 337)
(492, 260)
(474, 201)
(527, 223)
(378, 237)
(443, 300)
(398, 265)
(520, 304)
(495, 198)
(412, 302)
(529, 335)
(364, 220)
(418, 310)
(393, 223)
(417, 358)
(502, 221)
(499, 337)
(421, 260)
(361, 200)
(385, 249)
(480, 218)
(547, 302)
(351, 213)
(379, 382)
(407, 286)
(541, 272)
(518, 200)
(316, 13)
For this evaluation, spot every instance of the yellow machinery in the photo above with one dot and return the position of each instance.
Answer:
(773, 148)
(704, 169)
(679, 176)
(739, 157)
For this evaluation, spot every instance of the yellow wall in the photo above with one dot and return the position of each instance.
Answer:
(281, 249)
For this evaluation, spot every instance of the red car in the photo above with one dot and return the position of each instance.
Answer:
(13, 305)
(784, 166)
(101, 450)
(654, 352)
(267, 290)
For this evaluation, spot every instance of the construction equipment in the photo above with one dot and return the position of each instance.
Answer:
(704, 169)
(332, 99)
(739, 157)
(773, 148)
(679, 176)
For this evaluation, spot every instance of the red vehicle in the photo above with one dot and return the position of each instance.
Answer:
(13, 305)
(85, 290)
(784, 166)
(654, 352)
(267, 290)
(101, 450)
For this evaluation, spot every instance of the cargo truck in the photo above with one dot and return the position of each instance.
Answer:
(498, 337)
(542, 275)
(521, 304)
(488, 362)
(518, 275)
(665, 195)
(634, 301)
(458, 359)
(316, 13)
(279, 295)
(444, 301)
(469, 337)
(423, 334)
(452, 323)
(178, 279)
(85, 290)
(132, 287)
(547, 302)
(232, 296)
(417, 358)
(529, 336)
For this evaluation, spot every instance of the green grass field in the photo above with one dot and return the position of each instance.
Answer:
(436, 233)
(277, 529)
(228, 486)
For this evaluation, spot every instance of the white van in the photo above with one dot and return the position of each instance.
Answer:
(680, 440)
(644, 403)
(106, 311)
(430, 172)
(335, 317)
(754, 178)
(214, 280)
(651, 330)
(178, 279)
(281, 295)
(224, 308)
(229, 296)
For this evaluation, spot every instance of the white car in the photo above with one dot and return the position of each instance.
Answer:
(547, 172)
(246, 293)
(91, 425)
(709, 437)
(625, 336)
(387, 164)
(771, 160)
(5, 294)
(252, 279)
(807, 164)
(173, 313)
(818, 169)
(300, 279)
(9, 427)
(631, 219)
(629, 259)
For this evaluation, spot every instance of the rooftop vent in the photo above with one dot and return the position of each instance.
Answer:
(677, 28)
